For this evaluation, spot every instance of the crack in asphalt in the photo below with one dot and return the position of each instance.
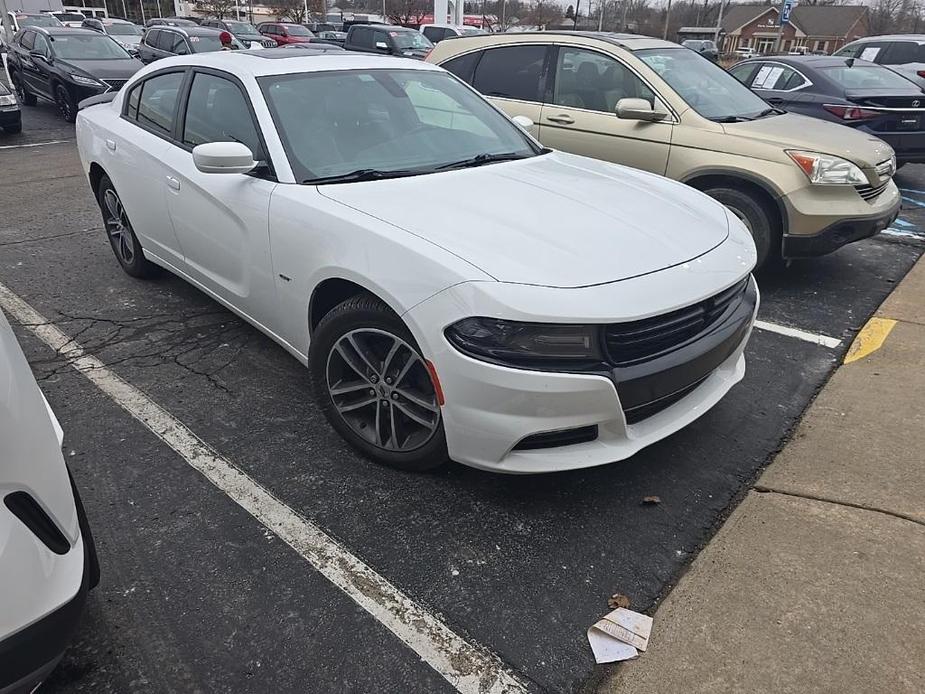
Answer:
(36, 239)
(189, 347)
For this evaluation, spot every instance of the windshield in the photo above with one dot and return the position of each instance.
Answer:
(44, 20)
(87, 47)
(394, 122)
(124, 29)
(298, 30)
(707, 88)
(411, 40)
(866, 77)
(211, 42)
(242, 28)
(472, 31)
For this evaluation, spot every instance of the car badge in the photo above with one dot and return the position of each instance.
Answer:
(915, 104)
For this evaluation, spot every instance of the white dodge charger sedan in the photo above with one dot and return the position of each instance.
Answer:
(456, 290)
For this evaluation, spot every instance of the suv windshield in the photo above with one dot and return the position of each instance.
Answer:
(242, 28)
(124, 29)
(87, 47)
(707, 88)
(411, 40)
(38, 20)
(362, 124)
(866, 77)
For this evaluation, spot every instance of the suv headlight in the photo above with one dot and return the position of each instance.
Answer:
(827, 169)
(88, 81)
(524, 344)
(7, 99)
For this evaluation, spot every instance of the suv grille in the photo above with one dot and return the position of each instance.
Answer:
(871, 193)
(641, 340)
(114, 85)
(268, 43)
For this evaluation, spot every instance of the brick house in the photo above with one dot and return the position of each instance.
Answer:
(815, 27)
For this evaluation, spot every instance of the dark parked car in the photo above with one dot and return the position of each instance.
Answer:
(245, 32)
(171, 22)
(338, 38)
(862, 95)
(165, 41)
(285, 32)
(67, 65)
(127, 34)
(388, 40)
(10, 114)
(705, 48)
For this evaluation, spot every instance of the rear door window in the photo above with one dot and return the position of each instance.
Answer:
(155, 105)
(511, 72)
(901, 53)
(463, 66)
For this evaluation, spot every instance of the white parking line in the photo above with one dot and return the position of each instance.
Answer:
(824, 340)
(35, 144)
(468, 667)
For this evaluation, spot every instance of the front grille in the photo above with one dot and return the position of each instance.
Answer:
(641, 340)
(871, 193)
(637, 414)
(268, 43)
(554, 439)
(114, 85)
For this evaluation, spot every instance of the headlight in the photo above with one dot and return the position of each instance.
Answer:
(826, 169)
(80, 79)
(524, 344)
(7, 100)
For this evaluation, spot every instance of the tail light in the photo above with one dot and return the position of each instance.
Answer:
(850, 113)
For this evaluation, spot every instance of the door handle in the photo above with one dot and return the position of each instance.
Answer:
(111, 145)
(562, 118)
(173, 183)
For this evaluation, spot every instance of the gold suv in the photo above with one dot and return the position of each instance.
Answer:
(803, 187)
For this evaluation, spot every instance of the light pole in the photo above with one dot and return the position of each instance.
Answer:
(667, 15)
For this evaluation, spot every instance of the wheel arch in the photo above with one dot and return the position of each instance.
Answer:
(762, 189)
(336, 289)
(95, 175)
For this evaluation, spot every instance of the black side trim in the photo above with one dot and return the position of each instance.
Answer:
(33, 516)
(554, 439)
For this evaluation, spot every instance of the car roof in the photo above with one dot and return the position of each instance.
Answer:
(892, 37)
(813, 61)
(630, 42)
(62, 31)
(280, 61)
(188, 31)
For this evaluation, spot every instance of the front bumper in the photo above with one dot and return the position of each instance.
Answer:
(838, 234)
(10, 115)
(490, 409)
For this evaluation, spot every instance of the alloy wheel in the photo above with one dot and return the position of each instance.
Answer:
(117, 227)
(63, 102)
(381, 388)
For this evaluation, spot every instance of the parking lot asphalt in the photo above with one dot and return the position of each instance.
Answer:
(197, 595)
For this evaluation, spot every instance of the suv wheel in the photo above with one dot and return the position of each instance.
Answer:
(66, 104)
(373, 386)
(24, 96)
(756, 218)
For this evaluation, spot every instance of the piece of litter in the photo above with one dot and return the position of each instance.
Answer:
(651, 500)
(618, 600)
(620, 635)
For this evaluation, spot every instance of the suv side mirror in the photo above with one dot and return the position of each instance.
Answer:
(223, 158)
(638, 109)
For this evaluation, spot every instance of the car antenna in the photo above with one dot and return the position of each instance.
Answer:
(850, 62)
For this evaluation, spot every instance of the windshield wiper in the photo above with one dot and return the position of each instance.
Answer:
(769, 111)
(732, 119)
(482, 159)
(363, 175)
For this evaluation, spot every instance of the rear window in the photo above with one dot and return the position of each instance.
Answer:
(866, 77)
(903, 52)
(511, 72)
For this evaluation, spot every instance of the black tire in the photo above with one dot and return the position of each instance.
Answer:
(91, 559)
(757, 218)
(367, 319)
(21, 92)
(122, 239)
(67, 105)
(13, 129)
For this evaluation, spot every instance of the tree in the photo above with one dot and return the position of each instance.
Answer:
(570, 12)
(542, 13)
(291, 10)
(216, 8)
(408, 11)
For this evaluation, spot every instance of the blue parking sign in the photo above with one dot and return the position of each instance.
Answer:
(785, 12)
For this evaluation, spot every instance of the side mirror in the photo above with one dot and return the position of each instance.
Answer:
(382, 46)
(39, 55)
(638, 109)
(223, 158)
(523, 122)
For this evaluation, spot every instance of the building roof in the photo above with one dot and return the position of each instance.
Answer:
(812, 20)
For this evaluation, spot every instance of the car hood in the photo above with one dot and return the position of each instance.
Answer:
(555, 220)
(792, 131)
(105, 69)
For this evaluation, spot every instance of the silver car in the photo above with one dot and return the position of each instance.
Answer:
(902, 53)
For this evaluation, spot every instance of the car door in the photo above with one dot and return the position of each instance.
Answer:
(221, 220)
(512, 77)
(134, 160)
(146, 49)
(580, 115)
(41, 68)
(28, 70)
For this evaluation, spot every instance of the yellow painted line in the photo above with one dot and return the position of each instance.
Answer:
(870, 339)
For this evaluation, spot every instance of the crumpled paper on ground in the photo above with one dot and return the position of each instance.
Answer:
(619, 635)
